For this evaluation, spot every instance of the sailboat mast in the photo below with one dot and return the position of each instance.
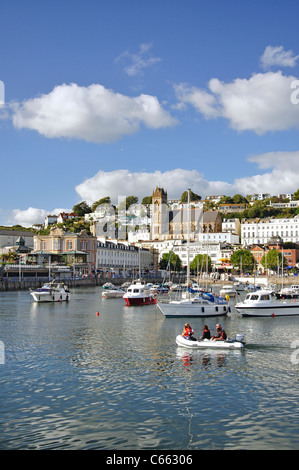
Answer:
(188, 240)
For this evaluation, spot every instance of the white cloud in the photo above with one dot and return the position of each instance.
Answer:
(138, 62)
(125, 183)
(259, 104)
(277, 56)
(27, 217)
(31, 216)
(92, 113)
(281, 177)
(201, 100)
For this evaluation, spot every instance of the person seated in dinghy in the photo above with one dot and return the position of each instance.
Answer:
(188, 332)
(220, 334)
(206, 334)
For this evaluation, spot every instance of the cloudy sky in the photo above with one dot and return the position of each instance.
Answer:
(112, 98)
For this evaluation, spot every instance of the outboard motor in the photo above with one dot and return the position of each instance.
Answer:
(240, 337)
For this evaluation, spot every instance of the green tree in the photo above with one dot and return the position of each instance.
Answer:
(257, 210)
(226, 200)
(175, 262)
(146, 200)
(238, 199)
(127, 203)
(104, 200)
(296, 195)
(243, 259)
(193, 197)
(10, 257)
(81, 209)
(200, 263)
(273, 260)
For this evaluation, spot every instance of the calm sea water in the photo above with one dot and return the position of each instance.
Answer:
(75, 380)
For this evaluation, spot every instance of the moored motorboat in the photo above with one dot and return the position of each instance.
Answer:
(159, 290)
(263, 303)
(288, 292)
(51, 292)
(239, 286)
(113, 293)
(108, 285)
(237, 343)
(228, 290)
(137, 294)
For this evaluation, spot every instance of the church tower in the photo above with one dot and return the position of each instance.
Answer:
(160, 222)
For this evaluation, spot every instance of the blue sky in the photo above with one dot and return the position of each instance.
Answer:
(111, 98)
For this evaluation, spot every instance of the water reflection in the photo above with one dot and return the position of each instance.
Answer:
(73, 379)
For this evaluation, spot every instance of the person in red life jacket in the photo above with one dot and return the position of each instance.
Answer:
(220, 334)
(188, 332)
(206, 334)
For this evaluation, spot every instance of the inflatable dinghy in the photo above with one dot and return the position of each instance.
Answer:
(237, 343)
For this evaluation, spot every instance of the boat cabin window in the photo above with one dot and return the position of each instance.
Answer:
(254, 297)
(265, 297)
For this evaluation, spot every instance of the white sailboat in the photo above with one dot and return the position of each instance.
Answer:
(199, 306)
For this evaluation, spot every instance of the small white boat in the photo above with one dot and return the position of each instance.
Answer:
(113, 293)
(51, 292)
(176, 288)
(291, 292)
(108, 285)
(138, 294)
(262, 303)
(240, 286)
(237, 343)
(228, 290)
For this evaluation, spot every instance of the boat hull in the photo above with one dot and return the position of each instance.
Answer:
(179, 309)
(262, 304)
(50, 296)
(271, 311)
(139, 301)
(112, 294)
(206, 343)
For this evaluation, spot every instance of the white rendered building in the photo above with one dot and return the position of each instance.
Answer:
(260, 231)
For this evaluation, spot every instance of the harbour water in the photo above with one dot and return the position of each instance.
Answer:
(72, 379)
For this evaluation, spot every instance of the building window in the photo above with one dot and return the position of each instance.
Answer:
(69, 245)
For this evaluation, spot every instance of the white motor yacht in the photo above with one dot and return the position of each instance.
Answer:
(53, 291)
(263, 303)
(113, 293)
